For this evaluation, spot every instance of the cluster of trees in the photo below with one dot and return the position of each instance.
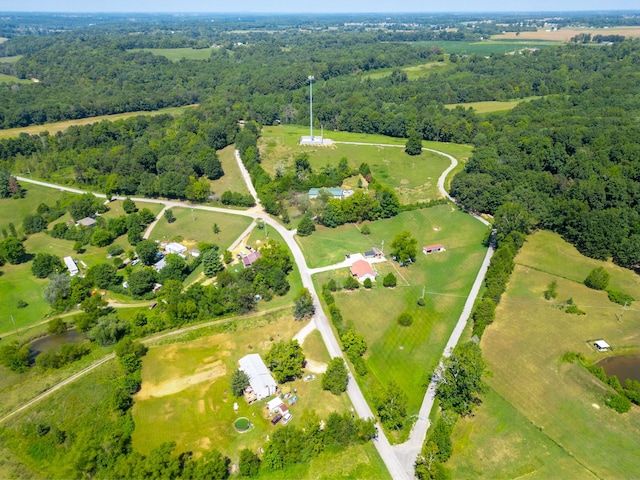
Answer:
(458, 390)
(150, 156)
(291, 445)
(353, 344)
(622, 396)
(285, 360)
(570, 162)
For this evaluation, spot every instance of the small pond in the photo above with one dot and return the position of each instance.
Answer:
(52, 342)
(623, 367)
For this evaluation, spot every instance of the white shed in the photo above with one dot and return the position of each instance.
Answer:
(274, 404)
(71, 265)
(176, 248)
(260, 379)
(601, 345)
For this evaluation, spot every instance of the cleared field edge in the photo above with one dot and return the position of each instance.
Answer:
(63, 125)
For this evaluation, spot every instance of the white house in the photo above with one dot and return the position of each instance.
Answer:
(260, 379)
(176, 248)
(71, 265)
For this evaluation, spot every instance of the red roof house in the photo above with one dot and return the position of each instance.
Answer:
(362, 270)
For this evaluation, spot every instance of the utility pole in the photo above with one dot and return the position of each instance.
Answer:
(14, 326)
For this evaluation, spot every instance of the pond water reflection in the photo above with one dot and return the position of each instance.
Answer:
(623, 367)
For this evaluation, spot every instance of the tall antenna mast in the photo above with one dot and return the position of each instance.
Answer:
(311, 79)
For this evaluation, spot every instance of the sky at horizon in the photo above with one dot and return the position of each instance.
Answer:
(324, 6)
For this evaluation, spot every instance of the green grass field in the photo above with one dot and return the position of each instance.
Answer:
(193, 226)
(15, 209)
(414, 71)
(554, 402)
(486, 47)
(11, 79)
(187, 386)
(12, 59)
(413, 178)
(490, 107)
(177, 54)
(232, 179)
(394, 351)
(56, 127)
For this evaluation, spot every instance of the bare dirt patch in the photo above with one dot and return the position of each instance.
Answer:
(208, 373)
(316, 367)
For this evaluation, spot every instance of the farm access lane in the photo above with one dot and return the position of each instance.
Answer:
(322, 322)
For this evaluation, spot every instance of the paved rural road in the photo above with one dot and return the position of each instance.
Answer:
(399, 459)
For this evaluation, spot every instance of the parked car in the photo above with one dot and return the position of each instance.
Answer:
(286, 418)
(276, 419)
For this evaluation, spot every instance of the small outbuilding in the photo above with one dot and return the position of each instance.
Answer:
(249, 259)
(86, 222)
(362, 270)
(601, 345)
(274, 404)
(71, 265)
(333, 193)
(429, 249)
(176, 248)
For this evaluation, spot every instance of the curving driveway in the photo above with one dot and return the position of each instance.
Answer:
(398, 459)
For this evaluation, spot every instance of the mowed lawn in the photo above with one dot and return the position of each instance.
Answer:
(232, 179)
(491, 106)
(186, 398)
(414, 178)
(11, 79)
(193, 226)
(446, 279)
(561, 402)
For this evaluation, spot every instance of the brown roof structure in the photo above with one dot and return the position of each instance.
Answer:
(360, 268)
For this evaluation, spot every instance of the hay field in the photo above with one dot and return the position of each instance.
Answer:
(565, 34)
(554, 401)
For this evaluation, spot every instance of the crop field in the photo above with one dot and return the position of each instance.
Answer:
(177, 54)
(56, 127)
(446, 278)
(414, 178)
(491, 106)
(187, 386)
(193, 226)
(556, 402)
(565, 34)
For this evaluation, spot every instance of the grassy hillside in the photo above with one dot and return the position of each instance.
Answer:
(559, 407)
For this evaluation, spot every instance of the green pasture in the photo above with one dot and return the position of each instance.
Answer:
(499, 442)
(199, 414)
(18, 283)
(73, 409)
(491, 106)
(441, 224)
(563, 402)
(232, 179)
(15, 209)
(413, 71)
(414, 178)
(486, 47)
(11, 59)
(55, 127)
(177, 54)
(192, 226)
(11, 79)
(445, 277)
